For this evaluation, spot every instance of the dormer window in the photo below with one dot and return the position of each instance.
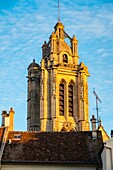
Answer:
(17, 136)
(65, 58)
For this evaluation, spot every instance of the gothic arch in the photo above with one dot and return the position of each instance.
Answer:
(65, 130)
(71, 82)
(67, 127)
(62, 81)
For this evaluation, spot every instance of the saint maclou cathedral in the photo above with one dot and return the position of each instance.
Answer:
(58, 87)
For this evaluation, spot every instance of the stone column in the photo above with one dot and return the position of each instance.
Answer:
(42, 100)
(66, 112)
(53, 99)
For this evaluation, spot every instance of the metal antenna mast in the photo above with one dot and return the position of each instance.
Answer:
(97, 99)
(58, 11)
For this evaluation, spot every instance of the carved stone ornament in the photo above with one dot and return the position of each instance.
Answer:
(54, 96)
(33, 84)
(41, 88)
(67, 126)
(53, 81)
(82, 92)
(42, 81)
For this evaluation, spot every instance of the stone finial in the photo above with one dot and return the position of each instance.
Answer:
(53, 35)
(74, 39)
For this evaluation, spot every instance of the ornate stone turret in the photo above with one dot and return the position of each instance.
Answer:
(33, 101)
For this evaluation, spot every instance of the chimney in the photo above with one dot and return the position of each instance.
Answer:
(111, 133)
(5, 118)
(99, 122)
(8, 119)
(93, 123)
(11, 119)
(94, 130)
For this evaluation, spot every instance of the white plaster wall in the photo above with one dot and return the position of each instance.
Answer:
(107, 155)
(110, 142)
(45, 167)
(104, 159)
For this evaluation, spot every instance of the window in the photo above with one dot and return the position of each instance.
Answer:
(61, 99)
(17, 136)
(70, 99)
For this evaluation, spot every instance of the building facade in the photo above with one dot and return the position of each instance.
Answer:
(107, 155)
(58, 87)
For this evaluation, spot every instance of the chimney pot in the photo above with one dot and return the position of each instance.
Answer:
(4, 112)
(93, 117)
(11, 109)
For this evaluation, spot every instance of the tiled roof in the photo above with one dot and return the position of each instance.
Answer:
(52, 147)
(104, 133)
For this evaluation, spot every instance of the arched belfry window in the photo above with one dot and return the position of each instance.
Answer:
(61, 98)
(65, 58)
(70, 98)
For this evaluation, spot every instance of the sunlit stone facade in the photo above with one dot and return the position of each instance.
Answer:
(58, 87)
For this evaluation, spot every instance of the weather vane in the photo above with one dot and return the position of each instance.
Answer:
(58, 11)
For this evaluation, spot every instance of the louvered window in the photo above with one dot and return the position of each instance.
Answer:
(61, 99)
(70, 99)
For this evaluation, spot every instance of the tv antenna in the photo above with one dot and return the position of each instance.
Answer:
(97, 99)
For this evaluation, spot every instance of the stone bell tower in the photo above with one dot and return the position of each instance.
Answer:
(60, 88)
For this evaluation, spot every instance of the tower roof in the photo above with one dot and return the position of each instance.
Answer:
(33, 64)
(59, 24)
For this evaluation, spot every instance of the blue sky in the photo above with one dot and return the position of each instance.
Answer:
(26, 24)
